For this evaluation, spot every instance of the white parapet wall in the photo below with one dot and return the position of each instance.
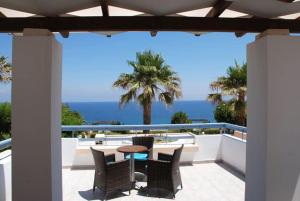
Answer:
(83, 156)
(68, 150)
(233, 152)
(5, 176)
(209, 148)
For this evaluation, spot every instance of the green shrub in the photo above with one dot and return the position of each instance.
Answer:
(120, 131)
(70, 117)
(224, 113)
(5, 120)
(180, 118)
(206, 131)
(210, 131)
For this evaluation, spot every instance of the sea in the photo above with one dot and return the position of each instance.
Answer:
(132, 113)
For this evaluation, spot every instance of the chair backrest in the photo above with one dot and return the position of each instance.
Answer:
(99, 160)
(176, 157)
(146, 141)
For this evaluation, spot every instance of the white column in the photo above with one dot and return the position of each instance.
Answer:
(36, 116)
(273, 141)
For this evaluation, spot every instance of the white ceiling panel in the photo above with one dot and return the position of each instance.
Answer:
(196, 13)
(116, 11)
(265, 8)
(94, 11)
(232, 14)
(14, 13)
(48, 7)
(260, 8)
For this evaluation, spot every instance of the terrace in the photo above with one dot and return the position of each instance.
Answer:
(211, 164)
(207, 182)
(273, 165)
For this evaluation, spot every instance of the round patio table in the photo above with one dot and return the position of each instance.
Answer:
(131, 149)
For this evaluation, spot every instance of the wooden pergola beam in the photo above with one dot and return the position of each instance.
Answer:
(2, 15)
(104, 8)
(287, 1)
(219, 7)
(153, 33)
(147, 23)
(65, 34)
(241, 34)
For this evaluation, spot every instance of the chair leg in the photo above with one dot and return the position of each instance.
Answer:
(94, 186)
(104, 197)
(180, 179)
(129, 192)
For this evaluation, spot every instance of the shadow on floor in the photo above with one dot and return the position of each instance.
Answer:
(232, 171)
(155, 193)
(98, 194)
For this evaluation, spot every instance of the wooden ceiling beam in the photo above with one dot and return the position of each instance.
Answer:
(287, 1)
(219, 7)
(241, 34)
(65, 34)
(2, 15)
(153, 33)
(147, 23)
(104, 8)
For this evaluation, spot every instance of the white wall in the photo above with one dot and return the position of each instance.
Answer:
(234, 152)
(36, 98)
(68, 150)
(273, 150)
(256, 120)
(5, 176)
(209, 148)
(83, 156)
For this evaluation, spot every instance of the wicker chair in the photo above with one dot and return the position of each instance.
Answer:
(141, 159)
(164, 173)
(109, 174)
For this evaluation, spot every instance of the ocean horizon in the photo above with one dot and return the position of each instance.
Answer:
(132, 113)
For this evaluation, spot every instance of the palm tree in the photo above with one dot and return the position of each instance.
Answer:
(233, 85)
(5, 70)
(151, 78)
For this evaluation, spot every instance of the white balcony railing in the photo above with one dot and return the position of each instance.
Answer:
(164, 137)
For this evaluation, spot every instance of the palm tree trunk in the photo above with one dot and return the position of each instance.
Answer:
(147, 115)
(242, 110)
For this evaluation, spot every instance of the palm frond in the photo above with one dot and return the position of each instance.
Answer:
(166, 97)
(5, 70)
(215, 98)
(151, 78)
(124, 81)
(127, 97)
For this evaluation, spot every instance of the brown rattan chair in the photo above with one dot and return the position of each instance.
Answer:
(164, 173)
(110, 175)
(140, 159)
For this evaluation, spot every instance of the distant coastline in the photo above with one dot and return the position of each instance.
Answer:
(107, 111)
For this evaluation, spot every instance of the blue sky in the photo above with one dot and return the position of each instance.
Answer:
(91, 62)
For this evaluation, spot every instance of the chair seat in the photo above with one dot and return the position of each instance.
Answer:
(139, 156)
